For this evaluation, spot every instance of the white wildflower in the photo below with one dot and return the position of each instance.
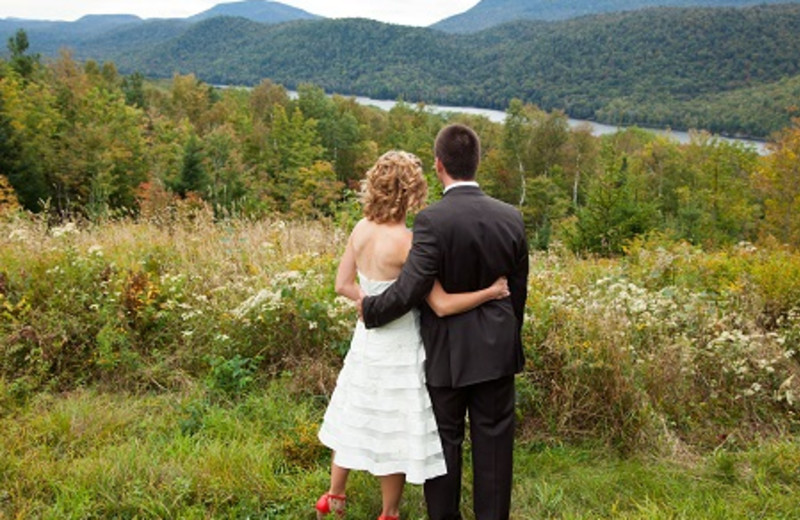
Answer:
(271, 298)
(186, 316)
(746, 247)
(67, 229)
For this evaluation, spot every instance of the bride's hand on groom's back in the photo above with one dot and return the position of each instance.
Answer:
(500, 288)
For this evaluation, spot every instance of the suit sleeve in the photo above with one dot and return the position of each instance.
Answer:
(414, 283)
(518, 280)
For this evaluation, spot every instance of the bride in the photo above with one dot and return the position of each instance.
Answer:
(380, 418)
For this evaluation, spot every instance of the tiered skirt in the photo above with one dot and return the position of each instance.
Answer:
(380, 417)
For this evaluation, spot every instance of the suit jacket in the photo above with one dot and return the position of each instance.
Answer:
(467, 240)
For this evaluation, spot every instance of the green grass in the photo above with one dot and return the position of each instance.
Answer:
(87, 454)
(584, 483)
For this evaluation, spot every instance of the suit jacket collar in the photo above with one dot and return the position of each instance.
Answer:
(460, 184)
(471, 187)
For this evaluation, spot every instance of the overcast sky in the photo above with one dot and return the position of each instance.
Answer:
(405, 12)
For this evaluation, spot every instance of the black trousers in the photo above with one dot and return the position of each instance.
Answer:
(491, 418)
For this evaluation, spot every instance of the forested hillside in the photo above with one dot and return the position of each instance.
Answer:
(682, 68)
(489, 13)
(727, 70)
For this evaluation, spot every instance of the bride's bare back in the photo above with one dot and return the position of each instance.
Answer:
(380, 250)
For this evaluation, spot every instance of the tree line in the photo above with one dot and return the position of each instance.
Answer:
(81, 139)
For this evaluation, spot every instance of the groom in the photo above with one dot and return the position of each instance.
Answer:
(466, 240)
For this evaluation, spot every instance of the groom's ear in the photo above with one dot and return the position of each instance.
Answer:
(439, 166)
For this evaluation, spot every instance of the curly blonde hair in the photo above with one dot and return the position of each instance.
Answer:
(394, 186)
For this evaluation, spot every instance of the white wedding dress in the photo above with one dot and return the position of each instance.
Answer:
(380, 417)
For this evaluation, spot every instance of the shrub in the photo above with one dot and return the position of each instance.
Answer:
(668, 338)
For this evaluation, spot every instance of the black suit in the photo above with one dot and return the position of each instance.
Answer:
(467, 240)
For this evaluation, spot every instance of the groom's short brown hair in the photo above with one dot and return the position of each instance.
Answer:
(459, 149)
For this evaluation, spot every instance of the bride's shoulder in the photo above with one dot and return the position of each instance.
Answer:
(361, 227)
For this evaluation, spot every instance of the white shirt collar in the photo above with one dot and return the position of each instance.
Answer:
(458, 184)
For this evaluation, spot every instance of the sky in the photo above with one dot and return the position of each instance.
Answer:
(404, 12)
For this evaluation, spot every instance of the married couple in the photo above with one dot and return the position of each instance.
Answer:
(456, 285)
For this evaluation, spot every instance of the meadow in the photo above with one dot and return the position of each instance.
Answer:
(178, 366)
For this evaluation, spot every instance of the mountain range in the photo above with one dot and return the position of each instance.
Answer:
(48, 36)
(730, 70)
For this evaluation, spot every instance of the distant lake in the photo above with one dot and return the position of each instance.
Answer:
(598, 129)
(498, 116)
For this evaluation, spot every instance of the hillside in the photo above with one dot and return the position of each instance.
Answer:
(346, 56)
(637, 67)
(489, 13)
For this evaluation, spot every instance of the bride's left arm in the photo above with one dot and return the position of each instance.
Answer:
(446, 304)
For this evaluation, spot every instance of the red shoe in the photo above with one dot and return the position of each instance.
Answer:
(384, 517)
(328, 504)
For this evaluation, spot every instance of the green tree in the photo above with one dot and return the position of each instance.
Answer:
(534, 143)
(317, 191)
(294, 144)
(190, 99)
(24, 64)
(29, 124)
(413, 129)
(663, 164)
(339, 130)
(777, 180)
(226, 172)
(580, 156)
(133, 89)
(193, 176)
(10, 148)
(294, 140)
(99, 144)
(717, 205)
(617, 208)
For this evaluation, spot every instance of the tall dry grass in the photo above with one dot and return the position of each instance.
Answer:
(140, 305)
